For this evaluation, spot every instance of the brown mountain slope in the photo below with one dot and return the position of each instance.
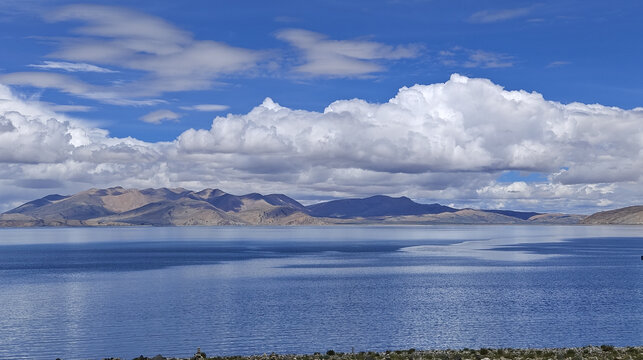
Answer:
(158, 207)
(563, 219)
(465, 216)
(180, 212)
(632, 215)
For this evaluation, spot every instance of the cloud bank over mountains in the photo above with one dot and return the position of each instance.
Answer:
(447, 142)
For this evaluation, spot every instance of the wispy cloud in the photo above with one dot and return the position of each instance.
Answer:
(491, 16)
(71, 67)
(71, 108)
(171, 57)
(206, 107)
(558, 64)
(159, 116)
(61, 82)
(474, 58)
(15, 10)
(71, 85)
(162, 57)
(342, 58)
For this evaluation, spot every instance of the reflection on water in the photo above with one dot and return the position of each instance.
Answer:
(484, 249)
(131, 291)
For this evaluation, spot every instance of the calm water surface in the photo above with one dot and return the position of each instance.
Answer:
(79, 293)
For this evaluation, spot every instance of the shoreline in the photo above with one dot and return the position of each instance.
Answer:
(354, 224)
(602, 352)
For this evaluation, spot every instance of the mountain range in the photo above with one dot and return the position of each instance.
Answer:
(118, 206)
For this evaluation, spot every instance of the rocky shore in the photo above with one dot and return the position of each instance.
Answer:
(603, 352)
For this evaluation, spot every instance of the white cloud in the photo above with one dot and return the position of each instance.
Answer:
(25, 140)
(61, 82)
(31, 133)
(158, 116)
(323, 56)
(113, 22)
(491, 16)
(206, 107)
(162, 57)
(554, 196)
(71, 108)
(139, 41)
(445, 142)
(71, 67)
(73, 86)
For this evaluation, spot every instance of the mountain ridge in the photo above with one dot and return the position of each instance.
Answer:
(378, 205)
(631, 215)
(118, 206)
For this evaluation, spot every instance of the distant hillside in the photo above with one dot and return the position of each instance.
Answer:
(379, 205)
(517, 214)
(158, 207)
(632, 215)
(118, 206)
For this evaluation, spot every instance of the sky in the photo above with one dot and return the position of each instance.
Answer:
(487, 104)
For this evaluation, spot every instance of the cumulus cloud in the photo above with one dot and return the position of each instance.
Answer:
(461, 125)
(206, 107)
(27, 140)
(447, 142)
(31, 132)
(71, 67)
(323, 56)
(158, 116)
(553, 197)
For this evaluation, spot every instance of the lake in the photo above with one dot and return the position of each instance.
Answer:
(79, 293)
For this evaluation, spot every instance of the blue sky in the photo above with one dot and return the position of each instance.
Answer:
(159, 72)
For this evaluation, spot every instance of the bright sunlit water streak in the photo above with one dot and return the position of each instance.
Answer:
(96, 292)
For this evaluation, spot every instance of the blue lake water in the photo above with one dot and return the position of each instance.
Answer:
(80, 293)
